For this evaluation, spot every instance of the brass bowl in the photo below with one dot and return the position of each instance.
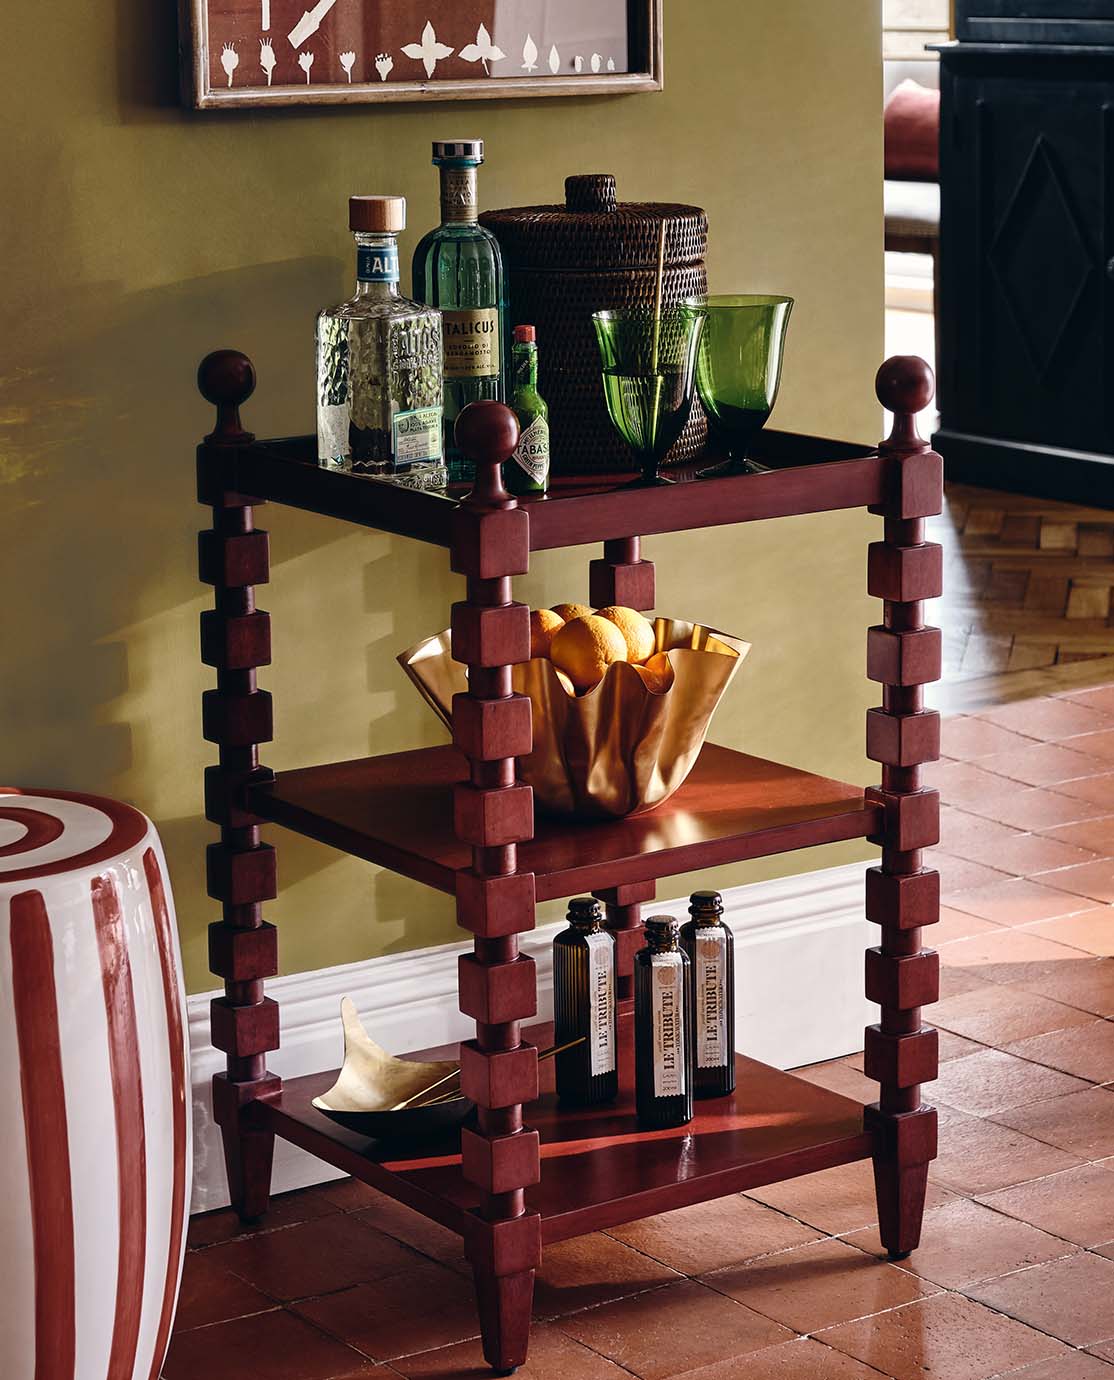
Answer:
(371, 1084)
(618, 749)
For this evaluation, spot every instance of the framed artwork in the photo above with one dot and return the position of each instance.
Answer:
(279, 52)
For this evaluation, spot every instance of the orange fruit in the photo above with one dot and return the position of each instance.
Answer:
(570, 611)
(638, 632)
(543, 624)
(657, 674)
(585, 648)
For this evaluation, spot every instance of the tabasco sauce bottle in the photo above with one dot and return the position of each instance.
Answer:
(584, 1007)
(527, 471)
(662, 1027)
(711, 953)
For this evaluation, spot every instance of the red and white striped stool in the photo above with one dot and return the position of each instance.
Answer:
(94, 1071)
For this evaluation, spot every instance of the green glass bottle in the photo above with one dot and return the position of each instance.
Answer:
(662, 1028)
(710, 947)
(459, 269)
(584, 1007)
(527, 471)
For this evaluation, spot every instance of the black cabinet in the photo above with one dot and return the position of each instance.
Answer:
(1027, 267)
(1035, 21)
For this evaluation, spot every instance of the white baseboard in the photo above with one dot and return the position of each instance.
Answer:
(799, 945)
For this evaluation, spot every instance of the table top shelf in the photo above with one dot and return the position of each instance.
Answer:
(598, 1168)
(397, 811)
(808, 474)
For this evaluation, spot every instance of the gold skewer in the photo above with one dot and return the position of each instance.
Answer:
(452, 1093)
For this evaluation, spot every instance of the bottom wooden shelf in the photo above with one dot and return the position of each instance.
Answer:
(598, 1168)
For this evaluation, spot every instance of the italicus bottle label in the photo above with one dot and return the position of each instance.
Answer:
(532, 451)
(379, 265)
(711, 999)
(668, 994)
(472, 343)
(601, 1002)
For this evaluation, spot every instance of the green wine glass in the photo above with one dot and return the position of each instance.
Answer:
(739, 369)
(649, 377)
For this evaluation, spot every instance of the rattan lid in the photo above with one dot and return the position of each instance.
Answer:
(594, 231)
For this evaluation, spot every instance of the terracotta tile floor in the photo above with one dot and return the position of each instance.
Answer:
(1015, 1276)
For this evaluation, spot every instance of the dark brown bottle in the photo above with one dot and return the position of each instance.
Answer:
(662, 1027)
(584, 1005)
(710, 947)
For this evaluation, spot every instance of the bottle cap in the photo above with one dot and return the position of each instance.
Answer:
(525, 335)
(662, 924)
(585, 910)
(705, 903)
(471, 150)
(377, 214)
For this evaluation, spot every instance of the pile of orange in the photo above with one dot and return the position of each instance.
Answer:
(583, 643)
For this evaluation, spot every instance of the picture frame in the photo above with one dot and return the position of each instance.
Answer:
(254, 53)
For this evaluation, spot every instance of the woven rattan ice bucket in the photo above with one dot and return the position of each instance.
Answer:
(565, 262)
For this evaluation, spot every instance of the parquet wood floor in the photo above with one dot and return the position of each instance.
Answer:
(1029, 596)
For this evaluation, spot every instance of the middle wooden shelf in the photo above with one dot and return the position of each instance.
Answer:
(397, 811)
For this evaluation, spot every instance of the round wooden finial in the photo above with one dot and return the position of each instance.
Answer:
(487, 433)
(905, 385)
(226, 378)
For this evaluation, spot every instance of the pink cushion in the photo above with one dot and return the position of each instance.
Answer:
(912, 123)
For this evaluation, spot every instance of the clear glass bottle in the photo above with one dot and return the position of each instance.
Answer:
(584, 1007)
(710, 947)
(527, 471)
(459, 269)
(662, 1028)
(379, 363)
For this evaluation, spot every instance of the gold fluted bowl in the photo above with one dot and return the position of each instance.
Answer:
(619, 749)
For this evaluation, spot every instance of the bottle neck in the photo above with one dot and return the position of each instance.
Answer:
(662, 941)
(459, 194)
(526, 368)
(377, 269)
(710, 918)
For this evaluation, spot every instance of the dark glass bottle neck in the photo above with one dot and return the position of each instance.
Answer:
(710, 918)
(586, 926)
(663, 941)
(459, 194)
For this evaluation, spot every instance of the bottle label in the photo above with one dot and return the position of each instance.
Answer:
(601, 1002)
(472, 343)
(459, 195)
(378, 265)
(417, 436)
(668, 989)
(532, 451)
(712, 1046)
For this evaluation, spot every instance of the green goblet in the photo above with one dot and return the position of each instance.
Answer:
(649, 377)
(739, 369)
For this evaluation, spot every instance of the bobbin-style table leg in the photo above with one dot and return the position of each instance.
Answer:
(903, 896)
(494, 813)
(240, 869)
(623, 577)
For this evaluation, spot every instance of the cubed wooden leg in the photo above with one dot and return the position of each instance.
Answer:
(902, 895)
(236, 716)
(504, 1304)
(494, 813)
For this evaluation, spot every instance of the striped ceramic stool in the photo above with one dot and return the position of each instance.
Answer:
(95, 1150)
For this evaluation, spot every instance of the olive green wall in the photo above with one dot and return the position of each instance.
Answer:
(138, 236)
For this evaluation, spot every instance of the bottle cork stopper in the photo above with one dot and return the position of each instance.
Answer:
(383, 215)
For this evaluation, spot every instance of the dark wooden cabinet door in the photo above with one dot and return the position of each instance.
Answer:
(1027, 175)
